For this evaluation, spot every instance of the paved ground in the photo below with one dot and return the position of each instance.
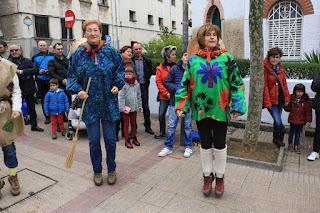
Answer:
(147, 183)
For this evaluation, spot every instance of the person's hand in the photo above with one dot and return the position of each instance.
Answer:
(168, 95)
(121, 110)
(140, 109)
(47, 114)
(180, 113)
(64, 81)
(308, 123)
(234, 115)
(83, 95)
(41, 72)
(286, 104)
(15, 115)
(114, 90)
(18, 71)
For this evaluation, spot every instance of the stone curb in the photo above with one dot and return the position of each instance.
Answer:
(277, 167)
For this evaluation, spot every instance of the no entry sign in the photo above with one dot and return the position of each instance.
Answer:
(69, 18)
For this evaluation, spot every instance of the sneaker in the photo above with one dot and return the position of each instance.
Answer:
(15, 186)
(207, 184)
(63, 133)
(1, 186)
(97, 179)
(313, 156)
(219, 189)
(296, 149)
(164, 152)
(112, 177)
(54, 136)
(160, 135)
(187, 152)
(290, 148)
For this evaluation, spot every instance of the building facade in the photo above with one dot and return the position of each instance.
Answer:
(293, 25)
(27, 21)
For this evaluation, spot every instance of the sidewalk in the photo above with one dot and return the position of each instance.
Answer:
(148, 183)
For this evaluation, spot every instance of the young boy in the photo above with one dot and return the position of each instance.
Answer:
(56, 104)
(171, 83)
(129, 103)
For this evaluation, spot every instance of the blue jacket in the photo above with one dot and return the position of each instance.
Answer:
(56, 103)
(173, 80)
(40, 60)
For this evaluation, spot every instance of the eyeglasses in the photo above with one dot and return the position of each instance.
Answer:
(14, 50)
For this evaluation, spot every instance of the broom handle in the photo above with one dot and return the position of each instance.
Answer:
(84, 102)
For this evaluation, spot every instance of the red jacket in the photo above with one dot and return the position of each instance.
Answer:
(300, 112)
(161, 75)
(270, 93)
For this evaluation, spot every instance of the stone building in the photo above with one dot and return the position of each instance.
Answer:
(27, 21)
(293, 25)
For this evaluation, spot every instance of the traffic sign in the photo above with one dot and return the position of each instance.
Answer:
(69, 18)
(108, 39)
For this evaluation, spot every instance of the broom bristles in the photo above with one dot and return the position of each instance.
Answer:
(69, 160)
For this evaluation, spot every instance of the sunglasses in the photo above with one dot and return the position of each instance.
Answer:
(14, 50)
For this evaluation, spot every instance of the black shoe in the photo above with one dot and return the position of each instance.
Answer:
(47, 121)
(160, 135)
(149, 130)
(37, 129)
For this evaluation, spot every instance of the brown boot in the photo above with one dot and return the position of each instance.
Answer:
(15, 186)
(97, 178)
(128, 144)
(135, 141)
(112, 177)
(1, 186)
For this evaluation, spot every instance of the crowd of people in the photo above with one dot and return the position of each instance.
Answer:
(205, 86)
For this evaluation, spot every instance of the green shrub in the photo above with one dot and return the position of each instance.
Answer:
(155, 63)
(243, 66)
(313, 57)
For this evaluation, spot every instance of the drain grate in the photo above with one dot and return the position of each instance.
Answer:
(31, 183)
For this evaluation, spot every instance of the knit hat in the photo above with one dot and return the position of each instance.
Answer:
(165, 52)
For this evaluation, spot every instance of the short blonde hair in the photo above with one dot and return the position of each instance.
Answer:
(204, 29)
(89, 22)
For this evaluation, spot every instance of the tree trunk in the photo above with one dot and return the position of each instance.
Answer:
(251, 135)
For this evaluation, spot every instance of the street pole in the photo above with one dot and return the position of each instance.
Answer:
(68, 38)
(184, 47)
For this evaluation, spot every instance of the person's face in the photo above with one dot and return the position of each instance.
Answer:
(15, 51)
(184, 58)
(137, 50)
(274, 60)
(59, 50)
(299, 93)
(93, 34)
(51, 49)
(3, 49)
(42, 46)
(172, 57)
(129, 75)
(210, 39)
(54, 87)
(127, 54)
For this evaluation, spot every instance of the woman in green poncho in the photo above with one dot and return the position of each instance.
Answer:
(213, 84)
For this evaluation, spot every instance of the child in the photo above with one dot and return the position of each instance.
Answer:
(56, 104)
(129, 104)
(171, 84)
(300, 114)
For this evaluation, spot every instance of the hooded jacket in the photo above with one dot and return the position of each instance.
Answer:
(56, 103)
(300, 112)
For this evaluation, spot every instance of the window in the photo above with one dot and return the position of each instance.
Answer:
(132, 15)
(174, 25)
(160, 0)
(173, 2)
(103, 2)
(160, 21)
(284, 26)
(42, 26)
(105, 31)
(150, 19)
(64, 30)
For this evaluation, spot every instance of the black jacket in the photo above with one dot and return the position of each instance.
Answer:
(315, 86)
(26, 79)
(147, 69)
(58, 68)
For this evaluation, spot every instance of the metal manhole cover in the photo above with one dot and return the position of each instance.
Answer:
(31, 183)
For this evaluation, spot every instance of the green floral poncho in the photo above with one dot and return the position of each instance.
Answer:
(213, 83)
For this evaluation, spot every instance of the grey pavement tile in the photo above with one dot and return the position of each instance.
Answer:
(181, 204)
(98, 209)
(248, 204)
(226, 201)
(118, 203)
(170, 185)
(254, 190)
(208, 207)
(165, 167)
(157, 197)
(147, 179)
(192, 190)
(134, 190)
(142, 207)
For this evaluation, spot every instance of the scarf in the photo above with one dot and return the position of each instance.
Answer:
(211, 54)
(131, 80)
(93, 49)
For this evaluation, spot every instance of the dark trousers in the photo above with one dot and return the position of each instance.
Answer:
(31, 101)
(66, 92)
(43, 88)
(316, 140)
(120, 123)
(295, 130)
(9, 156)
(212, 132)
(129, 118)
(162, 115)
(145, 105)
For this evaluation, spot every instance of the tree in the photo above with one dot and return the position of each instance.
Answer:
(251, 135)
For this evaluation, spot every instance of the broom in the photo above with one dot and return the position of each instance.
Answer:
(69, 161)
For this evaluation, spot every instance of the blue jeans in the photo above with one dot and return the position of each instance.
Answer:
(276, 111)
(295, 130)
(109, 135)
(9, 156)
(162, 115)
(172, 125)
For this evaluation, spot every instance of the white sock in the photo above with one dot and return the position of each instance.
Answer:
(220, 161)
(207, 160)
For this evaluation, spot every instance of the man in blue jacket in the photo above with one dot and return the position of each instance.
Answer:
(172, 83)
(40, 60)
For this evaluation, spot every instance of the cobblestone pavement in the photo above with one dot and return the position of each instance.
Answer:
(148, 183)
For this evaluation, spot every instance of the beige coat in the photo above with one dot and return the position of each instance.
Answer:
(9, 129)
